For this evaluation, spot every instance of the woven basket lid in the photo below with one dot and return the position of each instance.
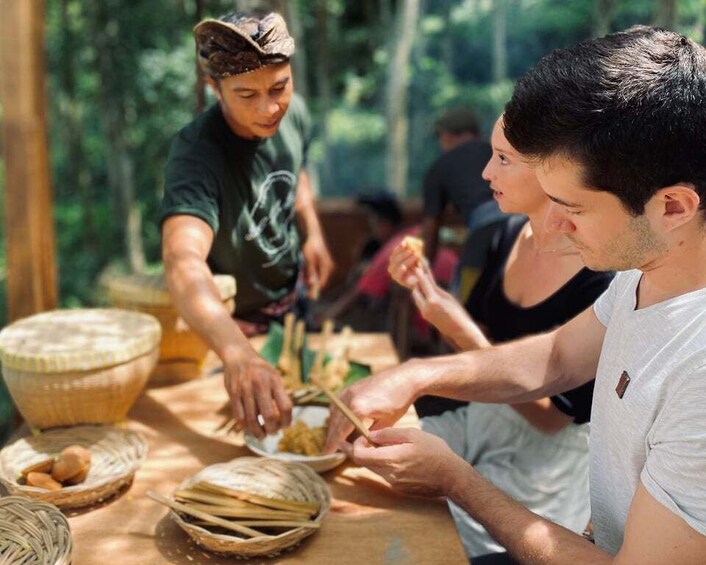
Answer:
(77, 340)
(151, 290)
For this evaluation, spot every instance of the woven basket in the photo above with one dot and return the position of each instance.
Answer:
(69, 367)
(116, 454)
(266, 477)
(181, 351)
(33, 532)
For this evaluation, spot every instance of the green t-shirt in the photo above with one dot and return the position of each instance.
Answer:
(245, 190)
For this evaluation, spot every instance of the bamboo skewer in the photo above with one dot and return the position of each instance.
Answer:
(270, 523)
(296, 370)
(184, 509)
(253, 514)
(284, 363)
(352, 418)
(310, 508)
(326, 332)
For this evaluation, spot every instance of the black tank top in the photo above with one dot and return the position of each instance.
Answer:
(505, 321)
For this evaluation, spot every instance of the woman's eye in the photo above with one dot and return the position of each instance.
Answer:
(573, 212)
(503, 159)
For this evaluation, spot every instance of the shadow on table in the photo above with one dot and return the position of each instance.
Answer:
(172, 429)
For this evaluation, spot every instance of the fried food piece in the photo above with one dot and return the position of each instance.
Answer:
(415, 245)
(42, 480)
(44, 466)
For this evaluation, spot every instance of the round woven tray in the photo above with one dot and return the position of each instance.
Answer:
(265, 477)
(115, 456)
(33, 532)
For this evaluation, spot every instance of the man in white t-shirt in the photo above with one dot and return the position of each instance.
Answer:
(617, 129)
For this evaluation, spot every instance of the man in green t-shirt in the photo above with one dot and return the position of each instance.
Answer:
(238, 201)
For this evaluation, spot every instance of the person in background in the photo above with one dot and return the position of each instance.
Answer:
(455, 179)
(533, 281)
(237, 200)
(623, 165)
(370, 292)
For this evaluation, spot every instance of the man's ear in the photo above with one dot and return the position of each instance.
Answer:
(210, 81)
(680, 204)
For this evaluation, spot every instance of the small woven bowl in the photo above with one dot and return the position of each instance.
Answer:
(115, 456)
(265, 477)
(33, 532)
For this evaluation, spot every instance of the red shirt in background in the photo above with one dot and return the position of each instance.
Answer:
(376, 280)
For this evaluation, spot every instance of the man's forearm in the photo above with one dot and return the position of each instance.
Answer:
(198, 301)
(519, 371)
(529, 538)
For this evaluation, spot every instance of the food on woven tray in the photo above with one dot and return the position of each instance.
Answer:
(218, 509)
(69, 468)
(415, 245)
(331, 373)
(299, 438)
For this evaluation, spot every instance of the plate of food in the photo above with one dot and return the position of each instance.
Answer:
(302, 442)
(286, 349)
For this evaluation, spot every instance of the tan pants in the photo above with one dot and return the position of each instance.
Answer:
(548, 474)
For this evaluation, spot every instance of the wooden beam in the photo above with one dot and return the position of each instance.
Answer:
(31, 263)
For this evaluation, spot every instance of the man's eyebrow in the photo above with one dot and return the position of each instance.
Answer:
(563, 202)
(280, 82)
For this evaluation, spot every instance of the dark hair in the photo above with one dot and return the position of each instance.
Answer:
(382, 204)
(630, 108)
(460, 119)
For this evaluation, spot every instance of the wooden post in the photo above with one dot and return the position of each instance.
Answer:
(31, 265)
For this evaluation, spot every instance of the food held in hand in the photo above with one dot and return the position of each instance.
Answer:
(415, 245)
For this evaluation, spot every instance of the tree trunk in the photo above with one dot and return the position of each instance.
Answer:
(200, 84)
(396, 99)
(499, 61)
(323, 82)
(120, 168)
(299, 67)
(78, 175)
(665, 14)
(447, 46)
(28, 200)
(603, 12)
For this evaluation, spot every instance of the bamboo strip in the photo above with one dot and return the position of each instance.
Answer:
(203, 516)
(293, 505)
(270, 523)
(257, 513)
(352, 418)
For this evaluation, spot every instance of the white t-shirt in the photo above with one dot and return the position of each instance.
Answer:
(657, 432)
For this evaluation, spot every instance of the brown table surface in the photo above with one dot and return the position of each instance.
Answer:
(367, 523)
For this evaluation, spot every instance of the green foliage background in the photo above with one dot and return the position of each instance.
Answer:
(151, 79)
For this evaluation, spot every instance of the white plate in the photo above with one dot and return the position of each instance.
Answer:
(314, 416)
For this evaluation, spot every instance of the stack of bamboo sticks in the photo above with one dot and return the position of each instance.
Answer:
(249, 515)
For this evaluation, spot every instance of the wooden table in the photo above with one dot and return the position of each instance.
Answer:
(367, 524)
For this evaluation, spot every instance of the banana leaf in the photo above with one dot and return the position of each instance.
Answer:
(272, 348)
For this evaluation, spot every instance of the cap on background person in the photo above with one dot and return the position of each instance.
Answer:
(241, 43)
